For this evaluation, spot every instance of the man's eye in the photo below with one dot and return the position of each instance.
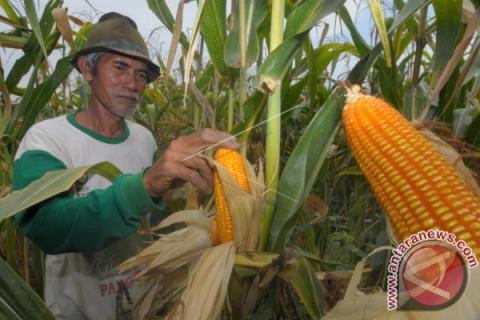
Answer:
(143, 75)
(119, 66)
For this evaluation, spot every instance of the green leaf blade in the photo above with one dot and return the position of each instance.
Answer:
(302, 169)
(31, 12)
(17, 299)
(449, 30)
(307, 14)
(49, 185)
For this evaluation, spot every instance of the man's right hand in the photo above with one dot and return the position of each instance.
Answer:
(182, 162)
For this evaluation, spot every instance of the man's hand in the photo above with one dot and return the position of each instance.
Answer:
(182, 162)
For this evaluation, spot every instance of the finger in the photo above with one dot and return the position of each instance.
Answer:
(202, 140)
(201, 165)
(193, 176)
(219, 139)
(204, 169)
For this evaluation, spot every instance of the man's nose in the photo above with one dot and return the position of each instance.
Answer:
(131, 81)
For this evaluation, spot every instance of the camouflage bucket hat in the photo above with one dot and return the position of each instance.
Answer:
(116, 33)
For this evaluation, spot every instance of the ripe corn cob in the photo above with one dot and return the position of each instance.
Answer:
(232, 161)
(415, 185)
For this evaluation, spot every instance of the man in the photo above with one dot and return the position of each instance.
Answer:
(87, 231)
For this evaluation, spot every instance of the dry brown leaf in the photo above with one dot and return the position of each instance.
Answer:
(454, 158)
(77, 21)
(189, 217)
(61, 20)
(177, 31)
(192, 198)
(147, 301)
(257, 187)
(171, 251)
(176, 313)
(356, 305)
(169, 296)
(201, 100)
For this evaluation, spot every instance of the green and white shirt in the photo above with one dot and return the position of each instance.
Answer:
(87, 231)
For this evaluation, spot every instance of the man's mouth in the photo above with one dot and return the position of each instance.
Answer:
(129, 98)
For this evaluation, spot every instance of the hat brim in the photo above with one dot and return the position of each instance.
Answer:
(153, 69)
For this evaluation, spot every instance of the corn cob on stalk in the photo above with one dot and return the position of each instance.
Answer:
(415, 185)
(222, 230)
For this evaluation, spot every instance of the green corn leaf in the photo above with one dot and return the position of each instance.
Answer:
(31, 12)
(256, 11)
(301, 275)
(274, 68)
(413, 102)
(360, 70)
(213, 28)
(359, 42)
(7, 106)
(473, 132)
(49, 185)
(35, 100)
(17, 300)
(302, 168)
(81, 36)
(13, 24)
(161, 10)
(313, 73)
(21, 108)
(379, 20)
(307, 14)
(11, 41)
(411, 23)
(299, 22)
(10, 12)
(401, 42)
(407, 11)
(292, 93)
(449, 30)
(253, 109)
(389, 82)
(476, 3)
(258, 260)
(204, 80)
(330, 52)
(32, 48)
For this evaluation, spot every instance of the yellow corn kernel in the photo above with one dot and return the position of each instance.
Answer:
(214, 232)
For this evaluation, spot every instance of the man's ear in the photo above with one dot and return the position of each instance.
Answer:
(85, 68)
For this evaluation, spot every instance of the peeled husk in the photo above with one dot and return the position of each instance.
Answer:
(208, 283)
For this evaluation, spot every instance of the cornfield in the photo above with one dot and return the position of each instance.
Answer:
(304, 218)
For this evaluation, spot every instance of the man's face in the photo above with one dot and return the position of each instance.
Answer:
(118, 83)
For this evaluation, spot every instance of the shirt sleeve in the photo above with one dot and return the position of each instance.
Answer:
(86, 224)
